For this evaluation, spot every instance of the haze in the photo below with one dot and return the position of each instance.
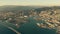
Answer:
(30, 2)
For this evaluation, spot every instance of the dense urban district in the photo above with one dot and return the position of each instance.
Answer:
(19, 15)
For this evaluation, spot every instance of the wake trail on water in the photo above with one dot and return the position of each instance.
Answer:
(4, 24)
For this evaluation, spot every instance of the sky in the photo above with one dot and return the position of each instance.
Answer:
(30, 2)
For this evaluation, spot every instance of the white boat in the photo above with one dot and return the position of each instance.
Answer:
(38, 24)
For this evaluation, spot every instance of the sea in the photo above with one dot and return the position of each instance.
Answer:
(27, 28)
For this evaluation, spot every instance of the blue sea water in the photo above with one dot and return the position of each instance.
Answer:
(28, 28)
(5, 30)
(32, 28)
